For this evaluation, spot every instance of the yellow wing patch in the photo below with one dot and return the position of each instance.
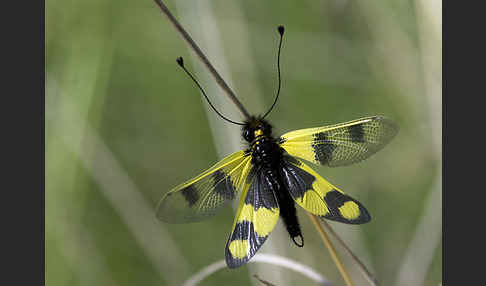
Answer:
(349, 210)
(239, 248)
(263, 219)
(340, 144)
(256, 217)
(205, 194)
(312, 202)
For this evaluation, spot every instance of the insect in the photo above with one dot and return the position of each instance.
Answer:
(271, 177)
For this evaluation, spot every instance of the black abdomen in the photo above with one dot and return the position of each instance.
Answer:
(289, 215)
(269, 155)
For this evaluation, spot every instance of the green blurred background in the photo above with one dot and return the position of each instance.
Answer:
(124, 125)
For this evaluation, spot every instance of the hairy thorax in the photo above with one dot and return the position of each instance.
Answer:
(265, 152)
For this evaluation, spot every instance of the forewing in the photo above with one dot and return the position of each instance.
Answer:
(205, 194)
(340, 144)
(318, 196)
(256, 217)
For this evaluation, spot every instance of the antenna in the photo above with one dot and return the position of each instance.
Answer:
(180, 61)
(281, 32)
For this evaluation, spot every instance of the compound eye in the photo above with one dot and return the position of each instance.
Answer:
(247, 135)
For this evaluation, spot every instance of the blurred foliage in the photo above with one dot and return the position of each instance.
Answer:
(113, 62)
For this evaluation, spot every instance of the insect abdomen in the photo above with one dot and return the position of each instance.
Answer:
(286, 204)
(288, 213)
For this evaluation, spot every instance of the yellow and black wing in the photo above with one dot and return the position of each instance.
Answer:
(205, 194)
(256, 217)
(318, 196)
(340, 144)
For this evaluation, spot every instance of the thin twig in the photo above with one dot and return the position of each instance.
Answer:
(333, 252)
(203, 58)
(371, 278)
(263, 282)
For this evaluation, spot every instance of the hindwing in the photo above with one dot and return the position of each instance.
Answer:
(256, 217)
(318, 196)
(205, 194)
(340, 144)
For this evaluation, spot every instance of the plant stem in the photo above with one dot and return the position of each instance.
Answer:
(203, 58)
(371, 278)
(333, 252)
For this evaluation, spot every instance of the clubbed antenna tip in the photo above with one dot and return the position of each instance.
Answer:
(180, 61)
(280, 31)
